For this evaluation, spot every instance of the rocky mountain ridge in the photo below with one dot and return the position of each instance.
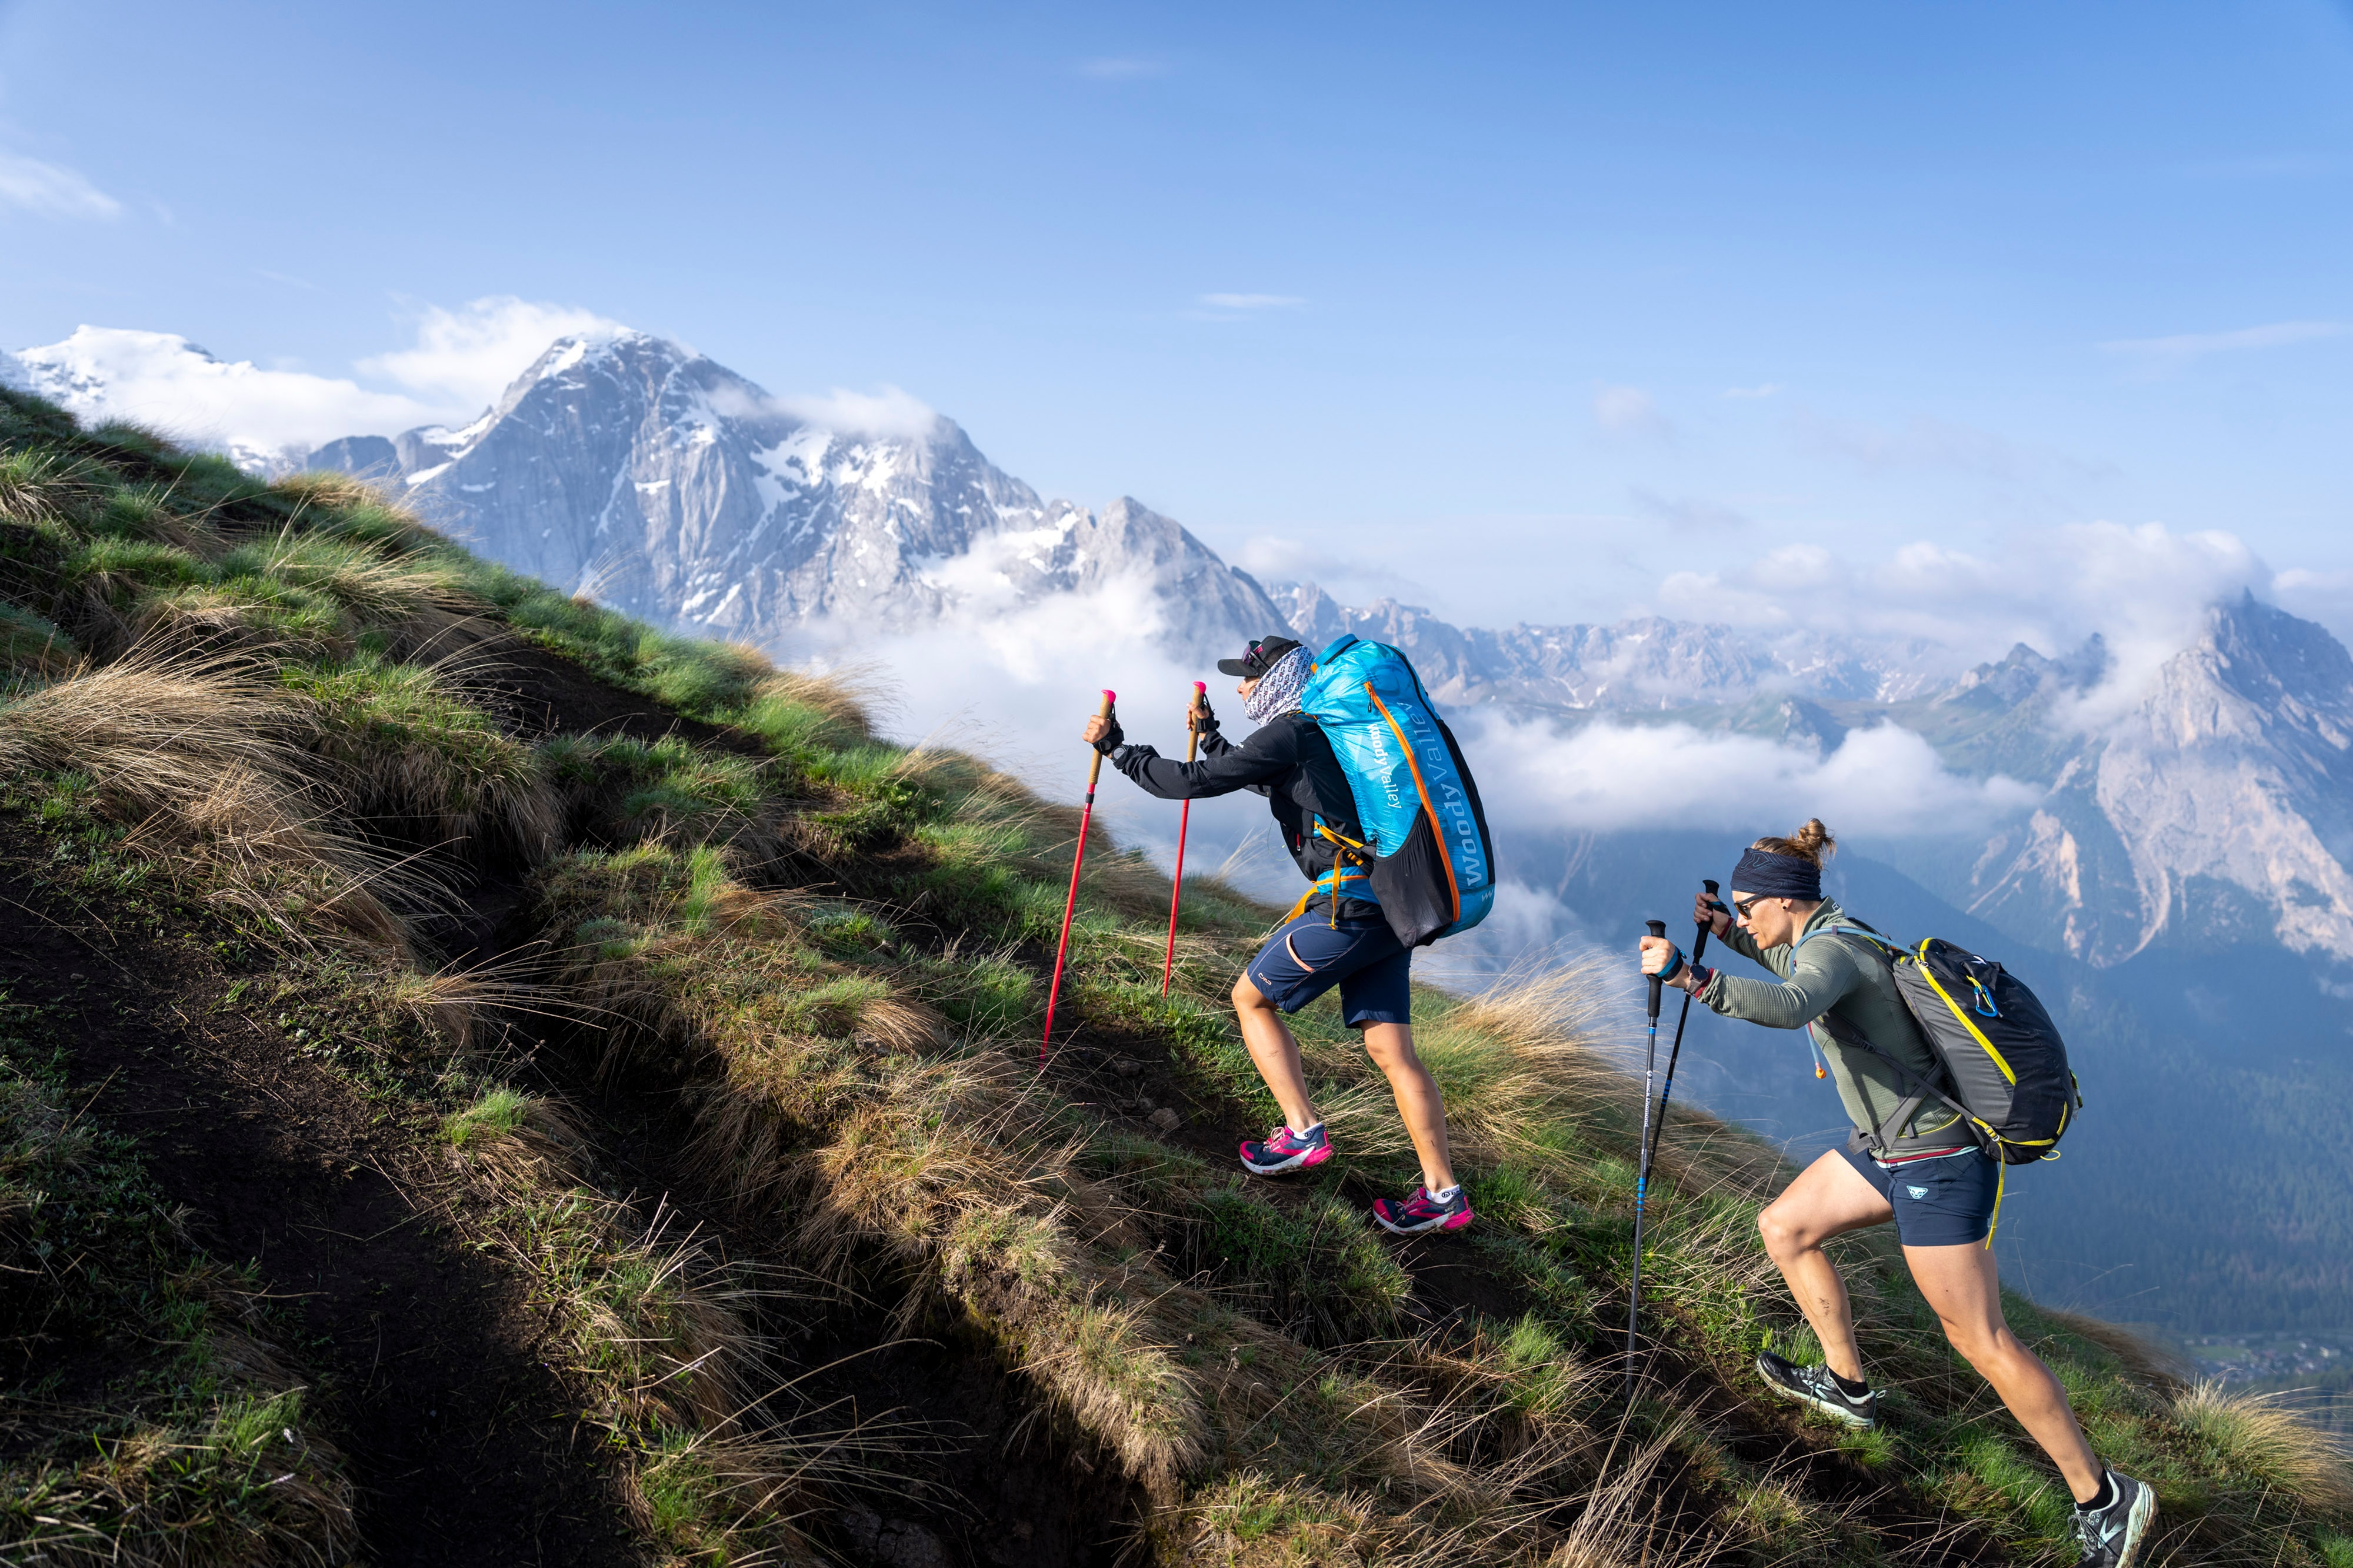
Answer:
(1645, 663)
(2216, 810)
(632, 469)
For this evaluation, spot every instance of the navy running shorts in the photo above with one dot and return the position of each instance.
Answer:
(1946, 1200)
(1307, 956)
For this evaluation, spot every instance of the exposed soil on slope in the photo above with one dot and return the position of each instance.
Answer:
(461, 1442)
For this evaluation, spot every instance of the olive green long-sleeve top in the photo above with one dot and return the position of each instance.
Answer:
(1835, 975)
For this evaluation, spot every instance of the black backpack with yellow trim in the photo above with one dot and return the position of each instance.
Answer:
(2005, 1066)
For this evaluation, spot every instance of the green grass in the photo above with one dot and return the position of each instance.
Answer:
(820, 947)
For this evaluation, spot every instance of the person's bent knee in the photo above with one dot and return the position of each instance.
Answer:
(1981, 1346)
(1782, 1238)
(1246, 995)
(1389, 1044)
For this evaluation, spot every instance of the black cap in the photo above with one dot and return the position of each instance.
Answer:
(1261, 658)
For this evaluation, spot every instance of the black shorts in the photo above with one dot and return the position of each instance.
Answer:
(1944, 1200)
(1307, 956)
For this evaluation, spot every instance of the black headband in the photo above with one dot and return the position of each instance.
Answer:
(1772, 876)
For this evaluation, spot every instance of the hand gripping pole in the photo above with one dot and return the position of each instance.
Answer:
(1667, 1089)
(1071, 904)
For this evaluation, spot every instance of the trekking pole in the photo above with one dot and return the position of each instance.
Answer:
(1642, 1177)
(1071, 904)
(1667, 1089)
(1176, 892)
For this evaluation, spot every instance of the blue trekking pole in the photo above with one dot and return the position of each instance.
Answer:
(1666, 1091)
(1642, 1176)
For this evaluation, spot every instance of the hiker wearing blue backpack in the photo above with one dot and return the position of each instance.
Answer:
(1336, 935)
(1915, 1159)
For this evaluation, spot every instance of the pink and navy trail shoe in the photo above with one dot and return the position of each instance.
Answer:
(1421, 1212)
(1284, 1151)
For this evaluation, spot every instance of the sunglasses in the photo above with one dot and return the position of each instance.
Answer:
(1747, 906)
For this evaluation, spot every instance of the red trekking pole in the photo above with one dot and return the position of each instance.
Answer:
(1071, 904)
(1177, 893)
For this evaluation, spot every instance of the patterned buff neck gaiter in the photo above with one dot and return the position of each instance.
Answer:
(1278, 690)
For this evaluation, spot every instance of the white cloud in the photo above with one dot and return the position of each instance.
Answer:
(267, 418)
(463, 359)
(1605, 777)
(2145, 589)
(1629, 411)
(2185, 349)
(889, 412)
(1015, 683)
(156, 379)
(1251, 301)
(51, 190)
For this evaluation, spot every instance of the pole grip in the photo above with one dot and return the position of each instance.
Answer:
(1659, 930)
(1699, 942)
(1094, 769)
(1192, 734)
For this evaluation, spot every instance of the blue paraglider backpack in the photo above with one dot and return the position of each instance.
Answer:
(1426, 854)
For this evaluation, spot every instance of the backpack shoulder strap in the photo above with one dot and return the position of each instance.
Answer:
(1922, 1091)
(1873, 942)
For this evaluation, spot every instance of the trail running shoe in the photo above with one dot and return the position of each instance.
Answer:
(2112, 1535)
(1814, 1385)
(1284, 1151)
(1421, 1212)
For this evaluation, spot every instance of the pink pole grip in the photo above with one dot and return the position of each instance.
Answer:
(1109, 696)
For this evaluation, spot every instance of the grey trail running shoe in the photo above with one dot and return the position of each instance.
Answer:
(2112, 1535)
(1814, 1385)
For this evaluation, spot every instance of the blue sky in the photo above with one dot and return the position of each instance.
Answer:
(1542, 312)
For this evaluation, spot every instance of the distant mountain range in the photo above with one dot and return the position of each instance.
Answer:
(2180, 884)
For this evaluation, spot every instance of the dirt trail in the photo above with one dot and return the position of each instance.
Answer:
(462, 1443)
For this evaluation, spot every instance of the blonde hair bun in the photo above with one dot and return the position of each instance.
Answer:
(1810, 842)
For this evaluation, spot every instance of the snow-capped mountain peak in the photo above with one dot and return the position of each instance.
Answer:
(676, 489)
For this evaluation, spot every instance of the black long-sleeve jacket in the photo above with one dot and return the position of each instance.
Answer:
(1288, 759)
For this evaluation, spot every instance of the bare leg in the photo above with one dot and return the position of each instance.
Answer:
(1418, 1103)
(1274, 1053)
(1960, 1283)
(1829, 1199)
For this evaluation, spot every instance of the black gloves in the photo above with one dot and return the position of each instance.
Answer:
(1204, 718)
(1112, 738)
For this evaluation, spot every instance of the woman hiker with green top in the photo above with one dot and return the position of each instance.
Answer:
(1929, 1176)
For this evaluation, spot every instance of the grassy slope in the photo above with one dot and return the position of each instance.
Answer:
(794, 975)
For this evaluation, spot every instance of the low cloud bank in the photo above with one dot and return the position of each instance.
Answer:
(1613, 778)
(1015, 683)
(167, 383)
(2145, 589)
